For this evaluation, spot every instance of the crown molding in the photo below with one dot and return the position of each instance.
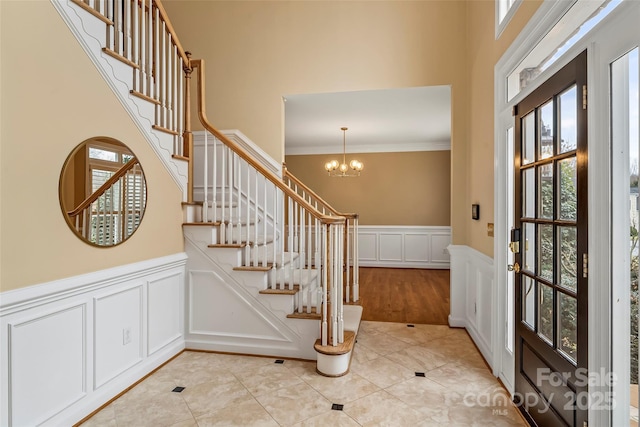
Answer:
(371, 148)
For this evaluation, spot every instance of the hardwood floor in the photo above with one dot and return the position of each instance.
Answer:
(404, 295)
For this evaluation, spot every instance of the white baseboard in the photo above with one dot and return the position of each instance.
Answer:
(71, 345)
(404, 246)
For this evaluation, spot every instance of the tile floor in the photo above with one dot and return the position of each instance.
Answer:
(384, 387)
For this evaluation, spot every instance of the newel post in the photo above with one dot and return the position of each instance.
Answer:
(187, 136)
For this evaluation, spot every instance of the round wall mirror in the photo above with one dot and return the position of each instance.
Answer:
(103, 191)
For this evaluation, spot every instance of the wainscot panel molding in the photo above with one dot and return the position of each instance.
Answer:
(472, 296)
(404, 246)
(71, 345)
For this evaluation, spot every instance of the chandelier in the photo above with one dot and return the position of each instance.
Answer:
(343, 169)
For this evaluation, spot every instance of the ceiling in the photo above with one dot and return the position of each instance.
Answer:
(390, 120)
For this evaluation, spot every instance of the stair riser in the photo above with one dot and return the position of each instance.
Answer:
(194, 213)
(285, 304)
(204, 235)
(285, 276)
(252, 279)
(242, 233)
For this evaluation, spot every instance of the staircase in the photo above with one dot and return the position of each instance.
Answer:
(272, 268)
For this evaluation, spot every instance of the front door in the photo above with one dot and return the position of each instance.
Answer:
(550, 245)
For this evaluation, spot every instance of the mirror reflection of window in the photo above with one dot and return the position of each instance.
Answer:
(103, 191)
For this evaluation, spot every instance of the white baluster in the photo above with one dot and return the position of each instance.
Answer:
(301, 259)
(214, 184)
(149, 78)
(231, 156)
(339, 291)
(156, 59)
(238, 239)
(265, 254)
(142, 50)
(205, 179)
(309, 244)
(356, 262)
(180, 107)
(223, 185)
(333, 284)
(126, 30)
(254, 247)
(276, 241)
(289, 241)
(135, 32)
(247, 251)
(346, 262)
(117, 24)
(325, 278)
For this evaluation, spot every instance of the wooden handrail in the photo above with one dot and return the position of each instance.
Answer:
(314, 195)
(242, 153)
(108, 183)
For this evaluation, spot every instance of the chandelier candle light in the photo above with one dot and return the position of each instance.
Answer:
(342, 169)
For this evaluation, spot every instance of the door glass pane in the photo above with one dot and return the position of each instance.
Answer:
(545, 189)
(568, 194)
(529, 193)
(568, 119)
(529, 250)
(528, 301)
(545, 312)
(545, 149)
(528, 138)
(545, 251)
(568, 257)
(568, 318)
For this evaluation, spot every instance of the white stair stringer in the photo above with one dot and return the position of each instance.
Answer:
(91, 34)
(227, 313)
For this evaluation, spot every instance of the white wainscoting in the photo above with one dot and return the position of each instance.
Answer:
(69, 346)
(472, 296)
(404, 246)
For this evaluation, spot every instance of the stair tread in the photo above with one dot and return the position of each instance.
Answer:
(304, 315)
(252, 268)
(227, 245)
(343, 348)
(202, 223)
(281, 291)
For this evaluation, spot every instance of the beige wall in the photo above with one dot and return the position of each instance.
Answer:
(393, 189)
(52, 99)
(484, 52)
(258, 51)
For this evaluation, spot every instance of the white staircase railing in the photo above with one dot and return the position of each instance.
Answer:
(350, 263)
(140, 34)
(297, 238)
(284, 232)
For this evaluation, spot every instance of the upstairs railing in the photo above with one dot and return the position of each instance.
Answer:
(350, 261)
(140, 34)
(280, 230)
(114, 211)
